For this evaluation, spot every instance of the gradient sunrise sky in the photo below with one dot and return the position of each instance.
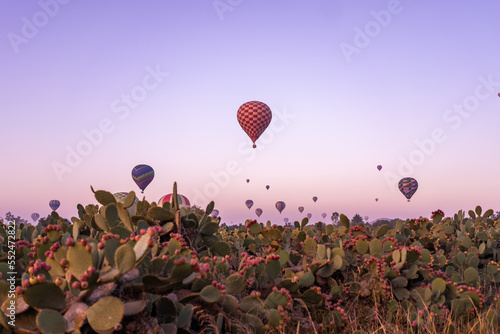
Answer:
(410, 85)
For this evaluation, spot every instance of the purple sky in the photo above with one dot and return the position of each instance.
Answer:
(410, 85)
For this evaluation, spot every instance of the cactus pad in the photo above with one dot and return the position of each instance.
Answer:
(51, 322)
(105, 314)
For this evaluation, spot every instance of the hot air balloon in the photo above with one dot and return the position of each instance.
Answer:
(54, 204)
(248, 180)
(379, 167)
(366, 218)
(301, 209)
(258, 211)
(181, 199)
(323, 215)
(143, 175)
(315, 199)
(267, 187)
(309, 215)
(408, 186)
(254, 117)
(249, 203)
(35, 216)
(280, 206)
(285, 220)
(215, 213)
(120, 197)
(376, 199)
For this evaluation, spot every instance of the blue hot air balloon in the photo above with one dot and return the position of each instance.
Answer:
(35, 216)
(408, 186)
(143, 175)
(54, 204)
(249, 203)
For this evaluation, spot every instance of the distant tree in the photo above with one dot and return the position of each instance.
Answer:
(196, 210)
(335, 218)
(44, 221)
(390, 223)
(357, 219)
(9, 217)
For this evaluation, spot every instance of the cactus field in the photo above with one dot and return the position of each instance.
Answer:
(174, 269)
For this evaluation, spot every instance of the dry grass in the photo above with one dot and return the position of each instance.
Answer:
(359, 320)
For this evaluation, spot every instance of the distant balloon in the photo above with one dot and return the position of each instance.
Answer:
(215, 213)
(498, 94)
(379, 167)
(267, 187)
(408, 186)
(248, 180)
(323, 215)
(254, 117)
(309, 215)
(143, 175)
(249, 203)
(315, 199)
(35, 216)
(280, 206)
(301, 209)
(366, 218)
(258, 211)
(183, 200)
(54, 204)
(285, 220)
(120, 197)
(376, 199)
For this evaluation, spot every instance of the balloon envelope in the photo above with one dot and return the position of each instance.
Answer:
(267, 187)
(301, 209)
(54, 204)
(215, 213)
(143, 175)
(408, 186)
(280, 205)
(366, 218)
(248, 180)
(258, 211)
(285, 220)
(254, 117)
(120, 197)
(379, 167)
(323, 215)
(315, 199)
(249, 203)
(183, 200)
(309, 215)
(376, 199)
(35, 216)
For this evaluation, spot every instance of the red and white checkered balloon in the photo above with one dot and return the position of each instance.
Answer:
(254, 117)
